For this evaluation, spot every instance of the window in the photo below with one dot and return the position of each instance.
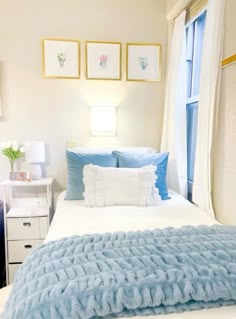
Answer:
(194, 38)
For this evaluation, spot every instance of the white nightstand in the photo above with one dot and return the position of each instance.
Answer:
(27, 215)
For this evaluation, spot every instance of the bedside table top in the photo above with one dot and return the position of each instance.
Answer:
(37, 182)
(27, 212)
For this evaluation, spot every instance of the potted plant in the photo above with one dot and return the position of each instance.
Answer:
(12, 150)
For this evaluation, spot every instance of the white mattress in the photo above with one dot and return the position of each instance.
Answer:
(73, 218)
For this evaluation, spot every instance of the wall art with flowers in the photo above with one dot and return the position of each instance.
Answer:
(143, 62)
(61, 58)
(103, 60)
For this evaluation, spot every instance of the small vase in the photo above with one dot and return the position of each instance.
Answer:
(11, 174)
(12, 165)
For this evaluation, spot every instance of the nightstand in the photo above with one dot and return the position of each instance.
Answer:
(27, 216)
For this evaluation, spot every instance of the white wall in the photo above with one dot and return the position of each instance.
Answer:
(56, 110)
(225, 159)
(170, 4)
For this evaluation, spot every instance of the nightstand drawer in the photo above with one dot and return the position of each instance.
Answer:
(27, 228)
(19, 249)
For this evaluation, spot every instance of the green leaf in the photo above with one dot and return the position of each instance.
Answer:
(11, 154)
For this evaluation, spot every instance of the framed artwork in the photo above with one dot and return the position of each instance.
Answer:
(61, 58)
(143, 62)
(103, 60)
(20, 176)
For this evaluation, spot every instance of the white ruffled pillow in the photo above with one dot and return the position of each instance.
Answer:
(106, 186)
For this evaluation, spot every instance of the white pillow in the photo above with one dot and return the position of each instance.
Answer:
(81, 149)
(105, 186)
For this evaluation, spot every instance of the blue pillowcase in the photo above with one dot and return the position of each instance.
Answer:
(75, 166)
(141, 159)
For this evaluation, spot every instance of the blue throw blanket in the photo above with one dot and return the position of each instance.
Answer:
(124, 274)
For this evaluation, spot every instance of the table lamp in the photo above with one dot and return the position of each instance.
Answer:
(35, 154)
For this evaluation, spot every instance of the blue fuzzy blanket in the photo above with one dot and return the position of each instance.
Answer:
(124, 274)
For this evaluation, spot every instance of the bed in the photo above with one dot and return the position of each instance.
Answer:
(122, 244)
(73, 218)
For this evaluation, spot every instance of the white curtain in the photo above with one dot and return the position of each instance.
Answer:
(174, 127)
(1, 72)
(210, 71)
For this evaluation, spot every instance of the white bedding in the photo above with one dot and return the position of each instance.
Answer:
(73, 218)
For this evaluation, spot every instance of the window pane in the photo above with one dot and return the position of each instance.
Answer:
(194, 38)
(192, 115)
(189, 57)
(199, 26)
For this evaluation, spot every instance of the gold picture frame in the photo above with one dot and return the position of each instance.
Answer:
(229, 60)
(61, 58)
(103, 60)
(143, 62)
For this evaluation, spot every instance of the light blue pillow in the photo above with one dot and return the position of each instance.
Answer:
(141, 159)
(75, 166)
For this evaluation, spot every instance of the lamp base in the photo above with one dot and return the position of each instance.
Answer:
(36, 171)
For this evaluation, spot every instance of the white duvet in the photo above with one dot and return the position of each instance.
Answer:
(73, 218)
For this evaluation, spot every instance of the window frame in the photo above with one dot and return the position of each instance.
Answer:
(192, 99)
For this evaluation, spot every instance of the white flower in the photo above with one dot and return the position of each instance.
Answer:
(3, 145)
(15, 145)
(9, 144)
(22, 149)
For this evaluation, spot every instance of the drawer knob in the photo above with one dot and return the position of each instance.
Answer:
(27, 224)
(28, 246)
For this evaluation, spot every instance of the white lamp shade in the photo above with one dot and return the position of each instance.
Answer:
(35, 152)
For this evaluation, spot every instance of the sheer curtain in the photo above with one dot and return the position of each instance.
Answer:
(174, 127)
(1, 71)
(210, 71)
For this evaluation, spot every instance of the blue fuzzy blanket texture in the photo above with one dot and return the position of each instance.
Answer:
(126, 274)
